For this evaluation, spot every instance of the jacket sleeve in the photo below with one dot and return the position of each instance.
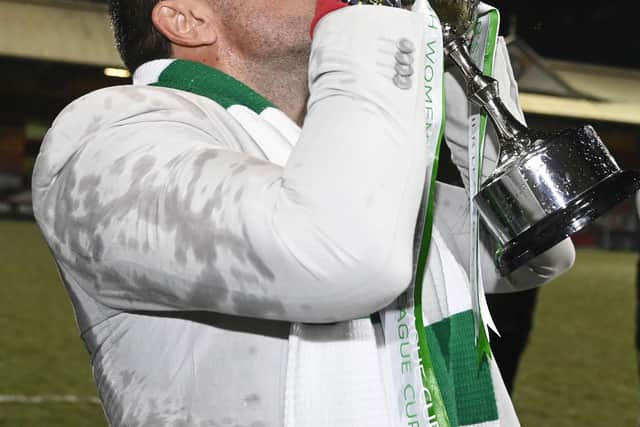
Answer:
(153, 214)
(452, 221)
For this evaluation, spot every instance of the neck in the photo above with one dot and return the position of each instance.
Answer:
(282, 81)
(285, 87)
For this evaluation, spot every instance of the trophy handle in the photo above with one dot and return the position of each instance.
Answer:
(483, 91)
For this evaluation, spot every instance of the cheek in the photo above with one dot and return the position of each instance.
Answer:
(303, 8)
(267, 28)
(284, 9)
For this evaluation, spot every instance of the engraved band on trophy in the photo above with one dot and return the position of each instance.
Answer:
(544, 187)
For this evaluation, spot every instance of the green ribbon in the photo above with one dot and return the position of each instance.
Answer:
(483, 345)
(429, 379)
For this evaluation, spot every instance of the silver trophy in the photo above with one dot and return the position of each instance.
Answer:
(545, 186)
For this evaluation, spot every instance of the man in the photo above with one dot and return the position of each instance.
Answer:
(199, 230)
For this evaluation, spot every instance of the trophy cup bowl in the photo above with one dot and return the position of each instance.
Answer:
(545, 187)
(457, 16)
(557, 186)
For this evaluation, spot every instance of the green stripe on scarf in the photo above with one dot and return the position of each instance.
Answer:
(206, 81)
(467, 388)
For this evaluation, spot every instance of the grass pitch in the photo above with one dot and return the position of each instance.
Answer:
(578, 370)
(580, 367)
(40, 349)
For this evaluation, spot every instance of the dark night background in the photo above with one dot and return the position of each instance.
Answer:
(596, 32)
(585, 31)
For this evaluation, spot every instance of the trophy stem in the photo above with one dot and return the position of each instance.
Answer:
(483, 91)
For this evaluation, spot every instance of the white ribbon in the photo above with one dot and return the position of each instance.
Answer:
(412, 401)
(481, 49)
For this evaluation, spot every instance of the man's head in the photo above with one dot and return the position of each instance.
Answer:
(263, 43)
(211, 31)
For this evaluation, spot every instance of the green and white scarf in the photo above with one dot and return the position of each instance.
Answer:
(444, 352)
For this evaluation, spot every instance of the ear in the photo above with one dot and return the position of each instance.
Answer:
(188, 23)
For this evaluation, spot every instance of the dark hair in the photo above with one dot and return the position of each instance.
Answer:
(137, 39)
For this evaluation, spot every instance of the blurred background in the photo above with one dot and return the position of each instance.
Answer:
(569, 348)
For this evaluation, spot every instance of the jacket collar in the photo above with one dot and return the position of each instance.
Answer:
(202, 80)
